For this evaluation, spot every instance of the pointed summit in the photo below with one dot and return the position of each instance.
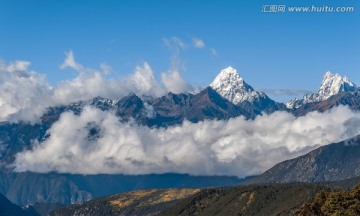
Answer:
(331, 85)
(229, 84)
(229, 77)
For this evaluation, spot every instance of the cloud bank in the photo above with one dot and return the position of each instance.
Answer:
(25, 94)
(286, 92)
(91, 83)
(96, 142)
(173, 81)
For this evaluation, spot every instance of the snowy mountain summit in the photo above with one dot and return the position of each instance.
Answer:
(230, 85)
(331, 85)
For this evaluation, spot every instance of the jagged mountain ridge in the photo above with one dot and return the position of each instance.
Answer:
(170, 109)
(349, 99)
(242, 99)
(230, 85)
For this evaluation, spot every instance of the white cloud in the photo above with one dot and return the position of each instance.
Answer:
(143, 81)
(175, 44)
(234, 147)
(286, 92)
(86, 86)
(17, 66)
(25, 94)
(91, 83)
(198, 43)
(173, 81)
(70, 62)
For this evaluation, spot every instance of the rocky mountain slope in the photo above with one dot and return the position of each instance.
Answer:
(250, 200)
(265, 199)
(143, 202)
(279, 199)
(332, 162)
(173, 109)
(333, 203)
(350, 99)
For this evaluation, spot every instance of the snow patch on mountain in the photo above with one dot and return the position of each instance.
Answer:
(331, 85)
(230, 85)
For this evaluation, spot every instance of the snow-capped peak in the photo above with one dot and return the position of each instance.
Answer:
(331, 85)
(229, 78)
(229, 84)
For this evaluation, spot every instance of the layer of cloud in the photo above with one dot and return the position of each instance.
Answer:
(198, 43)
(143, 81)
(91, 83)
(25, 94)
(173, 81)
(286, 92)
(234, 147)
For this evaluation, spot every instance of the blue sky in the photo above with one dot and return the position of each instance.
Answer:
(270, 50)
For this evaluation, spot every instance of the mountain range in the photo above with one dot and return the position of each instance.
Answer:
(326, 173)
(228, 96)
